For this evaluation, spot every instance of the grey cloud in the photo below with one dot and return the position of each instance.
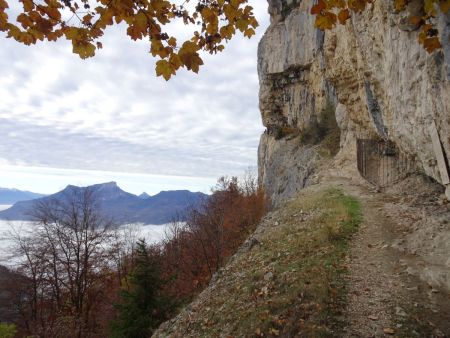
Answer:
(46, 146)
(112, 113)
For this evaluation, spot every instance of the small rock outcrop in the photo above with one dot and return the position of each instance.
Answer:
(381, 82)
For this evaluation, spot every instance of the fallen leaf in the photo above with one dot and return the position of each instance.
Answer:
(372, 317)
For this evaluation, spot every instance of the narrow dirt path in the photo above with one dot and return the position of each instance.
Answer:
(374, 284)
(384, 300)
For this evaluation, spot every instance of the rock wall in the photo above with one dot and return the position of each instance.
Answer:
(380, 79)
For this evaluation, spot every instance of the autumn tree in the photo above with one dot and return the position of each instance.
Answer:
(228, 217)
(66, 262)
(213, 231)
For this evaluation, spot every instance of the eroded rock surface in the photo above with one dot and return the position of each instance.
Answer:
(382, 82)
(287, 166)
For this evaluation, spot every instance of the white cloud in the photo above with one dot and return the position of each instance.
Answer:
(49, 180)
(112, 113)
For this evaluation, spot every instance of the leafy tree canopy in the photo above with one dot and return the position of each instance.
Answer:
(330, 12)
(83, 22)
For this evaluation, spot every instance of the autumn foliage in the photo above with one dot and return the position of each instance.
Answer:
(83, 22)
(330, 12)
(194, 251)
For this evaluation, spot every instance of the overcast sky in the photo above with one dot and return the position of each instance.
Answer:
(69, 121)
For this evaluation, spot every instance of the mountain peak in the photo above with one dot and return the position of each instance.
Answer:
(111, 184)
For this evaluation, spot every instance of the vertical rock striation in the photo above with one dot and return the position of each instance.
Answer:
(381, 81)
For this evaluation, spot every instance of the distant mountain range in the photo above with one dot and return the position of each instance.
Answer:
(11, 196)
(120, 205)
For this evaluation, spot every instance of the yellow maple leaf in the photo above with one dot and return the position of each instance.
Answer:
(429, 7)
(444, 5)
(326, 20)
(164, 69)
(431, 44)
(172, 42)
(343, 16)
(84, 49)
(28, 5)
(208, 14)
(249, 32)
(242, 24)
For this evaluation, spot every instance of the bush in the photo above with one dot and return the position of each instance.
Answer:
(7, 330)
(282, 132)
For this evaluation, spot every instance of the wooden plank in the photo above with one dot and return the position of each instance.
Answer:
(438, 151)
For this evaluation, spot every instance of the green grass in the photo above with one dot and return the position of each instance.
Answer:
(292, 284)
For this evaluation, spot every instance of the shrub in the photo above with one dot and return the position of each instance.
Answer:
(7, 330)
(282, 132)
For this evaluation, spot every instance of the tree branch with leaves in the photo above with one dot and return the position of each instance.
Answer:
(83, 22)
(331, 12)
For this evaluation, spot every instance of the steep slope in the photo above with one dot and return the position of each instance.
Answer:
(120, 205)
(279, 281)
(393, 278)
(308, 272)
(11, 196)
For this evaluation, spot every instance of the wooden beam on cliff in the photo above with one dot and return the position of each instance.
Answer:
(438, 151)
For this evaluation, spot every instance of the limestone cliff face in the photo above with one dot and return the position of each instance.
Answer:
(380, 79)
